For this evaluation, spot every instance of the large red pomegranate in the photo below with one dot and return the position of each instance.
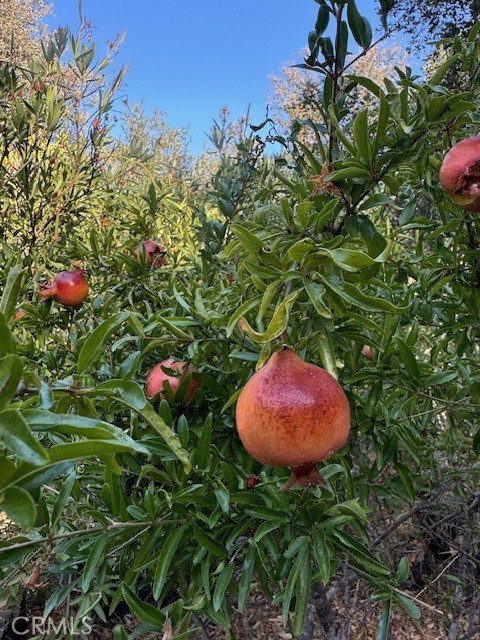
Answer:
(69, 288)
(460, 173)
(292, 413)
(154, 253)
(157, 378)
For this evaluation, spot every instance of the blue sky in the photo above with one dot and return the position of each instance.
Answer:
(190, 58)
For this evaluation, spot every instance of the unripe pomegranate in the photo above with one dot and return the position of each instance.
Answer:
(69, 288)
(460, 173)
(293, 413)
(154, 253)
(157, 378)
(367, 353)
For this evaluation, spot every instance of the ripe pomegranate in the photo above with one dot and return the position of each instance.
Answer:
(157, 378)
(69, 288)
(154, 253)
(367, 352)
(460, 173)
(293, 413)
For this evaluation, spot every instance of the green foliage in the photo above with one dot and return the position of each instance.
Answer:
(346, 243)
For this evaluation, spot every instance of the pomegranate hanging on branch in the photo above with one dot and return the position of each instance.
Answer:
(69, 288)
(292, 413)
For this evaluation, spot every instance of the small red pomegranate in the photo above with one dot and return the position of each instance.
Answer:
(292, 413)
(69, 288)
(154, 253)
(157, 378)
(251, 482)
(460, 173)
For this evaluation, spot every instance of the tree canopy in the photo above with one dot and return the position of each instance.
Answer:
(430, 19)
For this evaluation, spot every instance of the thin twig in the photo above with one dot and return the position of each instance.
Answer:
(418, 601)
(114, 526)
(419, 507)
(447, 566)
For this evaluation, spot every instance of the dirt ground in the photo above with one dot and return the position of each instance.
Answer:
(263, 621)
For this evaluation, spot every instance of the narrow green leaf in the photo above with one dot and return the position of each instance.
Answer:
(369, 84)
(299, 566)
(7, 343)
(89, 448)
(205, 540)
(93, 562)
(409, 605)
(347, 173)
(203, 448)
(360, 135)
(169, 548)
(343, 44)
(349, 508)
(10, 294)
(119, 633)
(323, 556)
(296, 545)
(350, 259)
(267, 298)
(93, 345)
(69, 423)
(323, 17)
(246, 578)
(368, 33)
(267, 527)
(383, 119)
(240, 312)
(231, 401)
(146, 612)
(10, 375)
(170, 437)
(340, 134)
(249, 240)
(443, 69)
(408, 357)
(357, 24)
(174, 329)
(128, 392)
(405, 476)
(376, 243)
(315, 293)
(377, 200)
(19, 506)
(360, 556)
(31, 477)
(476, 442)
(403, 570)
(278, 323)
(221, 585)
(353, 295)
(439, 378)
(302, 595)
(16, 436)
(383, 629)
(62, 498)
